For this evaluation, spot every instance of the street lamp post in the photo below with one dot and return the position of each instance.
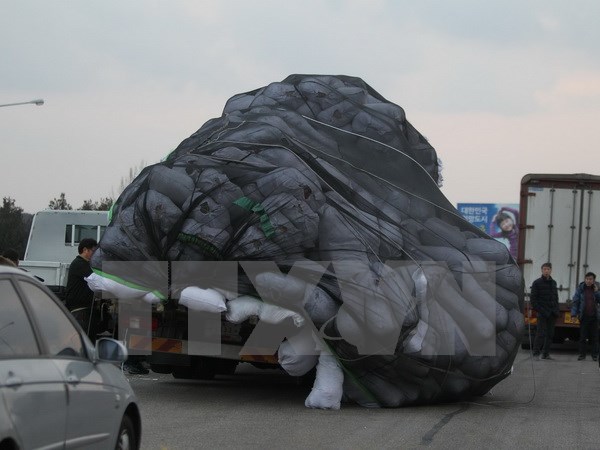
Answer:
(38, 102)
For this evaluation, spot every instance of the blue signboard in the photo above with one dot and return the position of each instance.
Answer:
(501, 221)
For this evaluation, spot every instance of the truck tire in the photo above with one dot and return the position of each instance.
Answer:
(161, 368)
(225, 366)
(204, 369)
(201, 369)
(184, 372)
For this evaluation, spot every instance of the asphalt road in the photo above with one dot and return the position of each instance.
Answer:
(543, 404)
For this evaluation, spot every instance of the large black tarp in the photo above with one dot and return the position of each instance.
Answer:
(324, 168)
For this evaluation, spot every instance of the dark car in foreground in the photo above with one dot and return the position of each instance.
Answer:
(58, 390)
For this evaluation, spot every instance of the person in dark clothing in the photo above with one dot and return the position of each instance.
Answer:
(78, 294)
(544, 301)
(79, 298)
(585, 307)
(13, 255)
(4, 261)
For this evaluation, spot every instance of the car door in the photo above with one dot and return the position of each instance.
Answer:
(33, 388)
(93, 417)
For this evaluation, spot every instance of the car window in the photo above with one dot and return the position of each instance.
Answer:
(16, 334)
(60, 336)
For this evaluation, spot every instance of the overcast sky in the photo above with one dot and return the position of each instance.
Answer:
(500, 89)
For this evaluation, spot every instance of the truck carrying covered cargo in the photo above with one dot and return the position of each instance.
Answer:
(560, 224)
(310, 211)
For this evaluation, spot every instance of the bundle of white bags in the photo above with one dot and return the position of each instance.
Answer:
(417, 306)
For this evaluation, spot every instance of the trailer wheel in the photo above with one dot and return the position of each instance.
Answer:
(204, 370)
(184, 372)
(161, 368)
(198, 371)
(224, 366)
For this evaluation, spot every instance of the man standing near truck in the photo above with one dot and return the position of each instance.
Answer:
(585, 308)
(544, 301)
(79, 297)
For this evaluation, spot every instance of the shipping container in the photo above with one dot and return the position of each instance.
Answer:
(559, 223)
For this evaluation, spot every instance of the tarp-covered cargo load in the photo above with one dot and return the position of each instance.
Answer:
(414, 305)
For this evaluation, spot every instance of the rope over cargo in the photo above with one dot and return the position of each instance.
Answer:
(418, 305)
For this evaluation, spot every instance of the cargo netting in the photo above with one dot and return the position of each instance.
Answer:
(412, 305)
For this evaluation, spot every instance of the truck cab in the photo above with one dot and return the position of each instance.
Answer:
(53, 241)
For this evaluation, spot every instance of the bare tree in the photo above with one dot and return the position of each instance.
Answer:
(103, 204)
(133, 172)
(88, 205)
(60, 203)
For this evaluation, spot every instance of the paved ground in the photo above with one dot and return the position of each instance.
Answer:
(543, 404)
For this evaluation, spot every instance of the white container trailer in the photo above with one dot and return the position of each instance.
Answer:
(560, 224)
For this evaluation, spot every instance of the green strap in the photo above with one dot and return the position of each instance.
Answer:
(110, 212)
(257, 208)
(204, 245)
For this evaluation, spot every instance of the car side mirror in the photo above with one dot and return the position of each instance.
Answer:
(110, 350)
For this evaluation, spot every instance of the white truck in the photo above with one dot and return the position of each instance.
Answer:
(53, 241)
(559, 223)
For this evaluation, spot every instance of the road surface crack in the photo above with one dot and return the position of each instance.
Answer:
(428, 437)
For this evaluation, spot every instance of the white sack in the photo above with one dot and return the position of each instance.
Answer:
(244, 307)
(98, 283)
(328, 387)
(205, 300)
(296, 363)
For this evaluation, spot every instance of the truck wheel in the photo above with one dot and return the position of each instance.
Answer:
(183, 372)
(205, 369)
(198, 371)
(161, 368)
(225, 366)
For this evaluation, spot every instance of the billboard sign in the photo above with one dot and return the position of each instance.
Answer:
(499, 220)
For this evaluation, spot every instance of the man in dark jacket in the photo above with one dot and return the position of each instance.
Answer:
(79, 297)
(585, 308)
(544, 301)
